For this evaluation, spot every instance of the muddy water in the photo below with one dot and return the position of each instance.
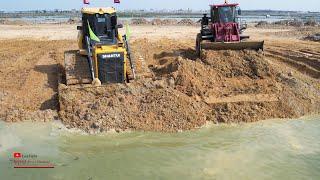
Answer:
(275, 149)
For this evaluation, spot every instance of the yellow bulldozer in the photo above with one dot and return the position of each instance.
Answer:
(104, 54)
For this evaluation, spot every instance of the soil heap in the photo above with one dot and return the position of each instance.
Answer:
(176, 91)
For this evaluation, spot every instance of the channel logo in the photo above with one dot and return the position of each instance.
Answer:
(17, 155)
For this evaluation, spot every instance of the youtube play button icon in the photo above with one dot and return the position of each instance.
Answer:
(17, 155)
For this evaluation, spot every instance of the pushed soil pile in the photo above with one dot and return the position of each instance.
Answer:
(176, 91)
(140, 107)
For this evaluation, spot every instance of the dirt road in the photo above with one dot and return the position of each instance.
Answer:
(178, 90)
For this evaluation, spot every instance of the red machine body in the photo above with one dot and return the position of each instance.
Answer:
(223, 30)
(223, 24)
(226, 32)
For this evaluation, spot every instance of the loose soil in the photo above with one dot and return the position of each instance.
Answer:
(174, 90)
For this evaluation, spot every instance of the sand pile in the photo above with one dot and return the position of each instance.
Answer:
(184, 92)
(139, 21)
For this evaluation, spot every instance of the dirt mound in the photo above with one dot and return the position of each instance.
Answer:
(314, 37)
(292, 23)
(295, 23)
(164, 22)
(148, 106)
(234, 64)
(169, 22)
(262, 24)
(174, 91)
(187, 22)
(156, 22)
(139, 21)
(183, 92)
(311, 22)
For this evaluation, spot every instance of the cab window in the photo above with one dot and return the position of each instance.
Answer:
(227, 14)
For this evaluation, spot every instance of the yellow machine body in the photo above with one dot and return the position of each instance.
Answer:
(78, 70)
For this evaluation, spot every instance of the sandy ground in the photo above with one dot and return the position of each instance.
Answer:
(69, 32)
(281, 82)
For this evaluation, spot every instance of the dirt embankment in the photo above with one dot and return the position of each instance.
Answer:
(176, 91)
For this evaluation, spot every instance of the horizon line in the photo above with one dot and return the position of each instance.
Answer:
(150, 10)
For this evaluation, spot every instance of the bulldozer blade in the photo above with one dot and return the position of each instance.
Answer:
(253, 45)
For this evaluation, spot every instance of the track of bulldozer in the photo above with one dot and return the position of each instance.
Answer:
(76, 69)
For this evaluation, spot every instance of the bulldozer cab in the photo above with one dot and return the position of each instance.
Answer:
(100, 25)
(225, 13)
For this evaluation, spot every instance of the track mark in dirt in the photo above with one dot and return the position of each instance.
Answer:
(304, 64)
(308, 52)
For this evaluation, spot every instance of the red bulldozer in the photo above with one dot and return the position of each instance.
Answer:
(222, 30)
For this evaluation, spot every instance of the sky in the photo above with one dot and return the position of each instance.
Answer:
(295, 5)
